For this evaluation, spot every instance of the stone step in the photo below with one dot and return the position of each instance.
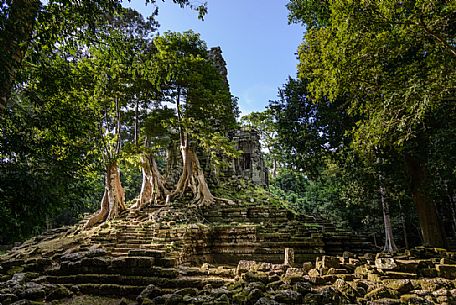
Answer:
(111, 290)
(134, 290)
(130, 241)
(132, 246)
(163, 279)
(147, 253)
(136, 231)
(127, 265)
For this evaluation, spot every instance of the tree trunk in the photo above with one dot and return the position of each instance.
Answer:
(274, 168)
(193, 178)
(113, 201)
(390, 245)
(430, 225)
(153, 188)
(15, 40)
(404, 231)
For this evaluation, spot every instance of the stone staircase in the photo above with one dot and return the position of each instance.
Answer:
(253, 232)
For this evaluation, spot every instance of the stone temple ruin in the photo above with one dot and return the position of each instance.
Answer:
(250, 165)
(160, 249)
(164, 245)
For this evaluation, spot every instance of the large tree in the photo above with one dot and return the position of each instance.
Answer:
(114, 64)
(157, 137)
(394, 61)
(204, 106)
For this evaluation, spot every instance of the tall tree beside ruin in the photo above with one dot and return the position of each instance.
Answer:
(394, 61)
(156, 137)
(204, 106)
(113, 65)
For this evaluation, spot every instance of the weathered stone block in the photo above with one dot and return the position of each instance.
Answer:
(329, 278)
(306, 267)
(266, 301)
(407, 265)
(385, 301)
(288, 297)
(289, 257)
(253, 296)
(345, 288)
(446, 271)
(381, 293)
(330, 262)
(58, 292)
(345, 277)
(33, 291)
(146, 253)
(385, 263)
(245, 266)
(399, 275)
(7, 298)
(447, 261)
(434, 284)
(94, 262)
(313, 273)
(166, 262)
(413, 299)
(256, 277)
(374, 277)
(402, 285)
(96, 252)
(264, 267)
(337, 271)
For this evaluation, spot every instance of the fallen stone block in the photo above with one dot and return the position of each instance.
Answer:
(385, 263)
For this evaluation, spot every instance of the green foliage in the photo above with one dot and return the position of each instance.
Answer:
(308, 131)
(48, 174)
(392, 64)
(312, 13)
(59, 124)
(319, 172)
(187, 78)
(394, 59)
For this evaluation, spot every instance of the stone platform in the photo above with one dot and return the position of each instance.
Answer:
(225, 234)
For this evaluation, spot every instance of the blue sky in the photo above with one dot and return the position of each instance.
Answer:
(257, 43)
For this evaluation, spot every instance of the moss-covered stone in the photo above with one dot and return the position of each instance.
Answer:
(413, 299)
(256, 277)
(381, 293)
(384, 301)
(402, 285)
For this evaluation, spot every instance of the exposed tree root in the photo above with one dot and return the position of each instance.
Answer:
(113, 201)
(153, 188)
(193, 178)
